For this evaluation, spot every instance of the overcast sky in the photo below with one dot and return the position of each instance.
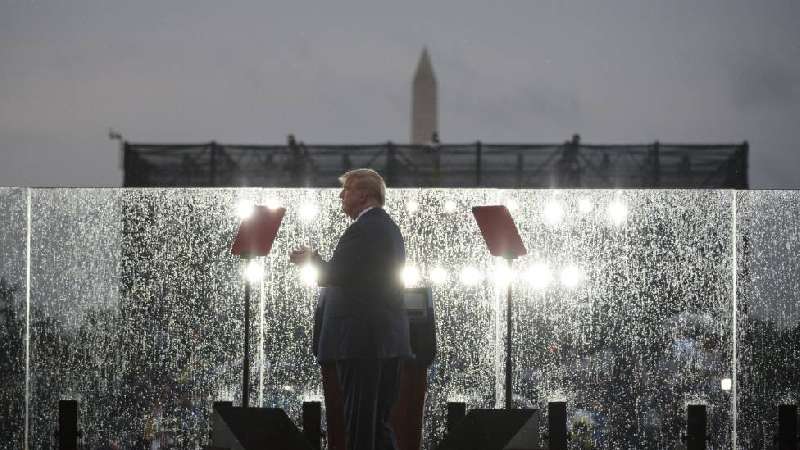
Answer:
(712, 71)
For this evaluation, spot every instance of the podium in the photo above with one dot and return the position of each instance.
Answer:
(502, 238)
(254, 238)
(407, 413)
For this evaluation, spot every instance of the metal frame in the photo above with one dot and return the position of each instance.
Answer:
(567, 165)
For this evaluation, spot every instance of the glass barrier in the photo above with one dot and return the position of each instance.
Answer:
(625, 312)
(768, 322)
(13, 253)
(624, 308)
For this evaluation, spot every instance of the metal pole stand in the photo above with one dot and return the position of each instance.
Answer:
(246, 370)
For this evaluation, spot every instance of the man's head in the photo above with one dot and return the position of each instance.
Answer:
(361, 189)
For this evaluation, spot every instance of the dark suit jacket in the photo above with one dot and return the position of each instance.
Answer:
(360, 313)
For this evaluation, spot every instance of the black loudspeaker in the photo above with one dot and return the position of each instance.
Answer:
(312, 424)
(495, 429)
(787, 427)
(67, 425)
(237, 428)
(557, 425)
(455, 414)
(696, 427)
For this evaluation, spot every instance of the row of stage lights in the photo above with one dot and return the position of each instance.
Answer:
(539, 275)
(553, 213)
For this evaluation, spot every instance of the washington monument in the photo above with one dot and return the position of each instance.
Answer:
(424, 114)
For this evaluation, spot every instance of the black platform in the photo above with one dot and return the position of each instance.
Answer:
(238, 428)
(495, 429)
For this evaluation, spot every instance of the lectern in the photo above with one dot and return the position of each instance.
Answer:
(254, 238)
(502, 238)
(408, 411)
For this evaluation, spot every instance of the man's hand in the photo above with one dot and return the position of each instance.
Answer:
(304, 255)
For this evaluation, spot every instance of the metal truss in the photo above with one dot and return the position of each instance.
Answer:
(567, 165)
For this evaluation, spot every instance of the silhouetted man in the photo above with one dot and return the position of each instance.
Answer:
(364, 327)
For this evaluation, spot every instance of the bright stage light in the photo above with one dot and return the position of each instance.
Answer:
(309, 274)
(410, 276)
(273, 203)
(439, 275)
(553, 213)
(450, 207)
(254, 272)
(726, 384)
(471, 276)
(412, 206)
(539, 275)
(244, 209)
(571, 276)
(308, 212)
(617, 212)
(502, 274)
(585, 206)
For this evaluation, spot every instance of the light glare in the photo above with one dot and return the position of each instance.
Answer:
(553, 213)
(310, 274)
(412, 206)
(244, 209)
(585, 206)
(539, 275)
(571, 276)
(502, 274)
(617, 212)
(308, 212)
(438, 275)
(726, 384)
(254, 272)
(273, 203)
(410, 276)
(471, 276)
(450, 206)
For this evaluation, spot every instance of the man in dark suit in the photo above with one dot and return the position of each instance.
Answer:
(364, 327)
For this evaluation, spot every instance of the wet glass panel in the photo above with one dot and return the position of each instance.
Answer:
(13, 232)
(74, 320)
(623, 309)
(768, 332)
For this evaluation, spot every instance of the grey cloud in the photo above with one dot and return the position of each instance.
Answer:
(198, 70)
(765, 82)
(517, 106)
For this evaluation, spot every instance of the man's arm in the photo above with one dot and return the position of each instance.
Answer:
(346, 265)
(350, 260)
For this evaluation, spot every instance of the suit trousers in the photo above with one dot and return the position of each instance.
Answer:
(370, 388)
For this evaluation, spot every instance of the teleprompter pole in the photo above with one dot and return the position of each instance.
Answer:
(254, 238)
(509, 304)
(246, 371)
(501, 236)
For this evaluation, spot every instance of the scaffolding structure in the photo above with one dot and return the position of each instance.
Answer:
(567, 165)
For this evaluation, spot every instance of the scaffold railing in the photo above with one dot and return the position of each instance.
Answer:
(567, 165)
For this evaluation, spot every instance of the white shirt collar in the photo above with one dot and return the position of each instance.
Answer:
(363, 212)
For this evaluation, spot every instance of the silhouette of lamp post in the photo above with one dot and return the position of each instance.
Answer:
(502, 238)
(255, 236)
